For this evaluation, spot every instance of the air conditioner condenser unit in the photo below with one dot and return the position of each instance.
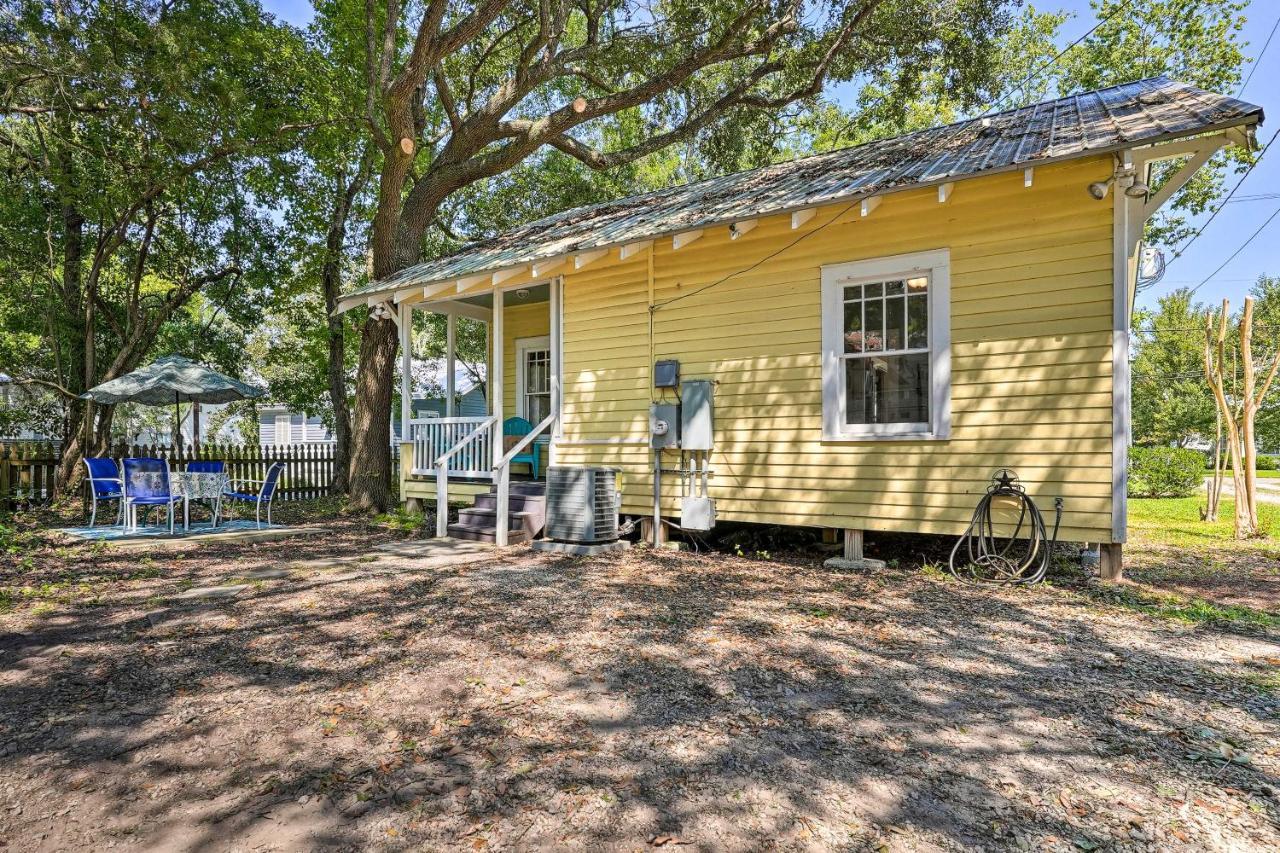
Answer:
(582, 504)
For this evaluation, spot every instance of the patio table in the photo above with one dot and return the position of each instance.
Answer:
(188, 485)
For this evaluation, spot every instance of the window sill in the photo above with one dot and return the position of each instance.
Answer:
(861, 438)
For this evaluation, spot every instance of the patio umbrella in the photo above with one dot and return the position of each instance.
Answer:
(172, 379)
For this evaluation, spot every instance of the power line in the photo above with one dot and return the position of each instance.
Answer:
(1036, 72)
(1240, 249)
(1247, 172)
(963, 126)
(1258, 60)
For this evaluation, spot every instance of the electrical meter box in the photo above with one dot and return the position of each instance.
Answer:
(697, 425)
(666, 373)
(664, 425)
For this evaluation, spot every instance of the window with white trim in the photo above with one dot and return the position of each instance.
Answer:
(887, 348)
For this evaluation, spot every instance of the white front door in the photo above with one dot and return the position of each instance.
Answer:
(533, 378)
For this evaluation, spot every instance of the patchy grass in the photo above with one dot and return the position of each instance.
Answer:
(1176, 522)
(1196, 572)
(401, 520)
(1188, 609)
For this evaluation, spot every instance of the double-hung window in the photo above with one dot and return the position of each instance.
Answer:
(886, 366)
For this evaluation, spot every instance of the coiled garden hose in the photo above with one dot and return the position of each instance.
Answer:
(1000, 560)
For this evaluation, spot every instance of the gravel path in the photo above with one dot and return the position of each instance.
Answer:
(346, 697)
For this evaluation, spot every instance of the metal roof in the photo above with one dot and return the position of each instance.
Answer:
(1118, 117)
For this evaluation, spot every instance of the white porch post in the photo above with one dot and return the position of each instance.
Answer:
(495, 375)
(503, 473)
(450, 363)
(557, 296)
(406, 370)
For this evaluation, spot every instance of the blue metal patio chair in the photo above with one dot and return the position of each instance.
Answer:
(266, 491)
(519, 427)
(146, 483)
(210, 466)
(105, 484)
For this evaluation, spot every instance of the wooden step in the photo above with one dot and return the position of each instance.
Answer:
(534, 488)
(489, 500)
(529, 522)
(477, 533)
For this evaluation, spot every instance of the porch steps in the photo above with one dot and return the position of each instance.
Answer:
(527, 515)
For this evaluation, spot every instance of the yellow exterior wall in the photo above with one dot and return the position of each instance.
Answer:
(520, 321)
(1031, 389)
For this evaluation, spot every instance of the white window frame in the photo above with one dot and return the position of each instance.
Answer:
(935, 263)
(288, 429)
(523, 347)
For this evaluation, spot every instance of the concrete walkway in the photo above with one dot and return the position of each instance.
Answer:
(1268, 489)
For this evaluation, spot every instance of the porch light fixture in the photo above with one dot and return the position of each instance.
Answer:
(522, 293)
(1138, 189)
(1098, 189)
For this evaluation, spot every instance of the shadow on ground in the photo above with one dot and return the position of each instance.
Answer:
(523, 700)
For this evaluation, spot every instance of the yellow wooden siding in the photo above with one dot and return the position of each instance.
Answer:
(1031, 359)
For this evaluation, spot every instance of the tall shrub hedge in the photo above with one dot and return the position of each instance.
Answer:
(1165, 472)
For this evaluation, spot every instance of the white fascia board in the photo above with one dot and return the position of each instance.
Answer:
(471, 280)
(505, 275)
(633, 249)
(684, 238)
(408, 294)
(586, 258)
(541, 268)
(431, 291)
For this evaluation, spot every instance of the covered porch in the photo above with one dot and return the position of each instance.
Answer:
(458, 456)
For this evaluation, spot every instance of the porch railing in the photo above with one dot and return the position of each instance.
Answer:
(470, 454)
(434, 437)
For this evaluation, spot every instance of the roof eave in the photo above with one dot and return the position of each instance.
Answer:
(1250, 120)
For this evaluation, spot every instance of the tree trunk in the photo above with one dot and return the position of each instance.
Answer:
(67, 478)
(331, 286)
(396, 243)
(1213, 485)
(341, 483)
(370, 471)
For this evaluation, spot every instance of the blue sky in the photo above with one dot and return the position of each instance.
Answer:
(1237, 220)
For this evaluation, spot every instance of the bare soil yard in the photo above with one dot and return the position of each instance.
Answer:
(347, 697)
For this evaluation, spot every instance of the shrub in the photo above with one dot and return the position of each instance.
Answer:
(1263, 463)
(1164, 472)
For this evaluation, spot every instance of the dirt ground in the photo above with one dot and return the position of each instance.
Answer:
(346, 697)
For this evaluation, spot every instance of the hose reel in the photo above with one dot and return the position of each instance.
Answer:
(1002, 559)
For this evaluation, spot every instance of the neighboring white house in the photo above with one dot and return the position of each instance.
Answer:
(277, 425)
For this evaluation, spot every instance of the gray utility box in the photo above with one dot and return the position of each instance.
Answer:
(697, 513)
(582, 504)
(697, 424)
(664, 413)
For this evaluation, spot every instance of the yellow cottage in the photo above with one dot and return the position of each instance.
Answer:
(883, 326)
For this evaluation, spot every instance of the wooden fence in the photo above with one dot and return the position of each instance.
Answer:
(28, 468)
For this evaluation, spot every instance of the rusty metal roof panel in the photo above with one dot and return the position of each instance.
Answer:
(1138, 113)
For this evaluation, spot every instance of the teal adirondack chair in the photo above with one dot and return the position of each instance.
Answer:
(533, 453)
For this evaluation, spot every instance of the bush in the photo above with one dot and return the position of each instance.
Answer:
(1263, 463)
(1165, 472)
